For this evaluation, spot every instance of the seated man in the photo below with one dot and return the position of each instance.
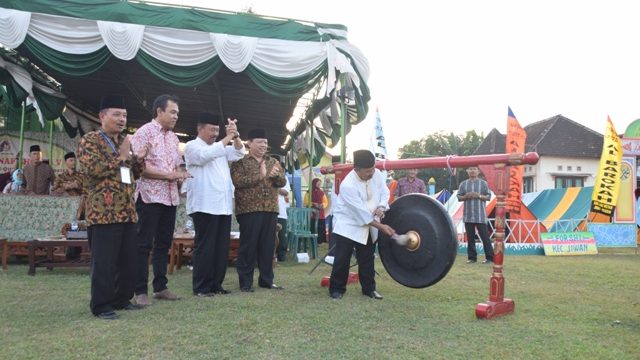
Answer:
(69, 183)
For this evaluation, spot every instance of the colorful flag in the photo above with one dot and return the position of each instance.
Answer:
(516, 139)
(607, 185)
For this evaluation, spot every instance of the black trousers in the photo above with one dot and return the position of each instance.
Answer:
(281, 250)
(113, 253)
(340, 272)
(156, 223)
(470, 229)
(210, 251)
(321, 230)
(257, 240)
(329, 224)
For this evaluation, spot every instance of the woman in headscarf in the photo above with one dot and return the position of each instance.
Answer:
(319, 201)
(17, 183)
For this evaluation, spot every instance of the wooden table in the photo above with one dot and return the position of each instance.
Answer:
(180, 242)
(5, 252)
(184, 241)
(49, 260)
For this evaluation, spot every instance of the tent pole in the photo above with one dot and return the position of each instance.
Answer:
(292, 170)
(310, 162)
(20, 156)
(343, 127)
(51, 143)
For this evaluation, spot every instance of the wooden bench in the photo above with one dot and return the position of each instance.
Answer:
(50, 260)
(5, 252)
(182, 247)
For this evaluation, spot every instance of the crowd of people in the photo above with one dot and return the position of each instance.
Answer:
(131, 184)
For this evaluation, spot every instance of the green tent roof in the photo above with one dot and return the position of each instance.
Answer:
(246, 66)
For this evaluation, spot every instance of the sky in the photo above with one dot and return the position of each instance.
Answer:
(457, 65)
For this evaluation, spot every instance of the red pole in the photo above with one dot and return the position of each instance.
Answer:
(497, 305)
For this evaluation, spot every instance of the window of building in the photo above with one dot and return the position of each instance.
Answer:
(563, 182)
(578, 168)
(559, 167)
(527, 184)
(569, 168)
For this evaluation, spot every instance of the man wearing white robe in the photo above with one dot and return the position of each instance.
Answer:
(362, 200)
(210, 201)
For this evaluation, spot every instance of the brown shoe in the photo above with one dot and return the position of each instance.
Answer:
(143, 300)
(165, 294)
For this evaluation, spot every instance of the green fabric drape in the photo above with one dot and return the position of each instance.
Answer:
(68, 128)
(286, 87)
(50, 106)
(180, 75)
(70, 64)
(15, 93)
(243, 24)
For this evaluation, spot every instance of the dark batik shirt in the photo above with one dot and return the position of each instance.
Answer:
(252, 193)
(108, 199)
(68, 184)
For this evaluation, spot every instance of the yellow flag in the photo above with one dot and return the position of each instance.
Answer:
(607, 185)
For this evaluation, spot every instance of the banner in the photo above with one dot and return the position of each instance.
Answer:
(516, 138)
(10, 146)
(378, 145)
(607, 184)
(571, 243)
(625, 211)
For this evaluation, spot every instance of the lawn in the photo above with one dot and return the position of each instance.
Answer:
(585, 307)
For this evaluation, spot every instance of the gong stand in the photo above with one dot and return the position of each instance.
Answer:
(429, 241)
(498, 305)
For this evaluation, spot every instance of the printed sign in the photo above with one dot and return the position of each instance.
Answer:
(569, 243)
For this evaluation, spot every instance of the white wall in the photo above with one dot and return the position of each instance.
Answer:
(546, 169)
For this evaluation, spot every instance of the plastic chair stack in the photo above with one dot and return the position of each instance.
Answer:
(299, 230)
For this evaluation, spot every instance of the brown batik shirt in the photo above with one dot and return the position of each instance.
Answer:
(253, 193)
(68, 184)
(108, 199)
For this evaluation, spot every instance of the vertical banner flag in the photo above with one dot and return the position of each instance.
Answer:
(516, 138)
(607, 185)
(378, 146)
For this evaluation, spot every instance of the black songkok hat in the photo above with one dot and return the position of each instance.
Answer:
(363, 159)
(69, 155)
(112, 101)
(209, 118)
(34, 148)
(257, 134)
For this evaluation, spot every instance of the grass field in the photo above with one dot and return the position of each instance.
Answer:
(584, 307)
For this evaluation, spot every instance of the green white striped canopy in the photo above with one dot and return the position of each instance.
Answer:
(238, 65)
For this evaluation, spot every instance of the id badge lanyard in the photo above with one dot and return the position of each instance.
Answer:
(125, 172)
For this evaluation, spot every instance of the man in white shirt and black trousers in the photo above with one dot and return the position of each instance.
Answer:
(210, 200)
(362, 200)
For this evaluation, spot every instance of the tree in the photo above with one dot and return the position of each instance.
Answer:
(441, 144)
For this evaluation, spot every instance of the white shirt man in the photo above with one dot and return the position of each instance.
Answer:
(210, 201)
(362, 200)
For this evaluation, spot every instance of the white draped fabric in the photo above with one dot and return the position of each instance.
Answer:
(123, 40)
(280, 58)
(235, 52)
(13, 27)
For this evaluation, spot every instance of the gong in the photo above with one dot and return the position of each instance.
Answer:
(429, 245)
